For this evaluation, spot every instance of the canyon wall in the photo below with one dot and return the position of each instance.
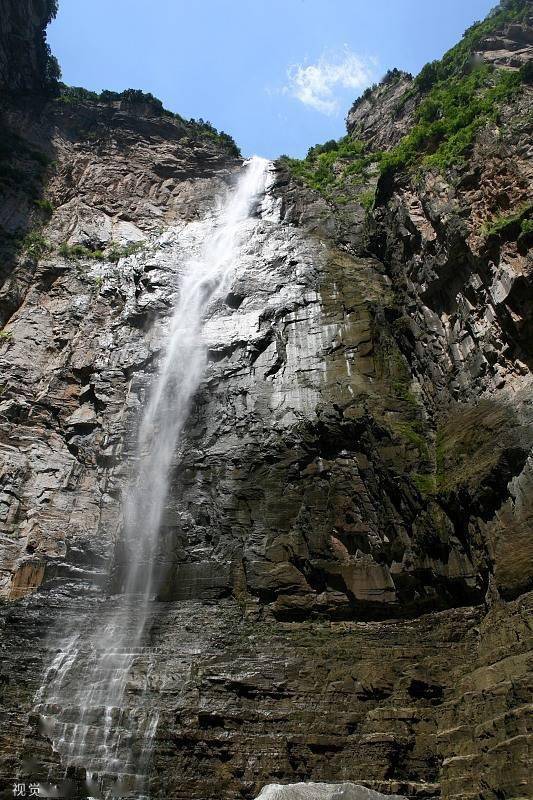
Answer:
(347, 539)
(25, 59)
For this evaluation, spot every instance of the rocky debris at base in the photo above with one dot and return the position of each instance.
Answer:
(322, 791)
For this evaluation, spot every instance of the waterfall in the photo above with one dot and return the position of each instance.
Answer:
(85, 700)
(178, 380)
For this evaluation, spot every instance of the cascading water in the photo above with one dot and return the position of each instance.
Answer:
(178, 380)
(86, 696)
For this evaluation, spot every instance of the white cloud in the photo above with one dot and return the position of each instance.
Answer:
(315, 84)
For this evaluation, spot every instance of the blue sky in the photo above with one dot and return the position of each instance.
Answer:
(279, 75)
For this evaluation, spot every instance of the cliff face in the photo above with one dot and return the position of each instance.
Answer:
(347, 535)
(23, 51)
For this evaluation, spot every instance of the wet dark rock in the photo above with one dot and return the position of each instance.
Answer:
(22, 45)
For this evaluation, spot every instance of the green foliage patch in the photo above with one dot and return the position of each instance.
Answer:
(35, 245)
(326, 167)
(512, 224)
(115, 251)
(426, 483)
(445, 127)
(461, 96)
(459, 59)
(449, 117)
(76, 251)
(391, 76)
(413, 432)
(367, 199)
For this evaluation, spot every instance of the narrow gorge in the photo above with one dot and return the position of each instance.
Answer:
(266, 439)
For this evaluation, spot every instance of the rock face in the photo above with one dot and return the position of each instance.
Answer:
(379, 117)
(23, 52)
(509, 47)
(346, 541)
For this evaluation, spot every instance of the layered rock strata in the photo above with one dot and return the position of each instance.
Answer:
(347, 536)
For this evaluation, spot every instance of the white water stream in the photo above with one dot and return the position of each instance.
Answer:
(85, 699)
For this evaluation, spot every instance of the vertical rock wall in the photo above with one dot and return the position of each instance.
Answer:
(23, 53)
(346, 539)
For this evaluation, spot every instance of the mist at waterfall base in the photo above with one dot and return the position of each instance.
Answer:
(87, 702)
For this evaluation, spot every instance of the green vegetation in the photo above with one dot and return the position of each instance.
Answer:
(461, 96)
(402, 390)
(50, 66)
(470, 443)
(77, 251)
(511, 224)
(22, 172)
(446, 123)
(77, 94)
(527, 72)
(426, 483)
(449, 117)
(51, 10)
(459, 60)
(10, 245)
(468, 447)
(45, 206)
(403, 324)
(35, 245)
(392, 369)
(367, 199)
(326, 167)
(204, 130)
(52, 70)
(5, 335)
(114, 253)
(415, 433)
